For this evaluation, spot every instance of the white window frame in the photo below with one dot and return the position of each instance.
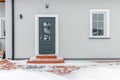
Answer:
(1, 27)
(106, 26)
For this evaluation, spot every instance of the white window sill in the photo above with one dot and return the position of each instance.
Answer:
(96, 37)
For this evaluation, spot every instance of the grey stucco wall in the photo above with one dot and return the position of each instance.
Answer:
(8, 45)
(2, 9)
(2, 14)
(74, 23)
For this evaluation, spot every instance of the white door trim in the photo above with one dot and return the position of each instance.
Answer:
(37, 32)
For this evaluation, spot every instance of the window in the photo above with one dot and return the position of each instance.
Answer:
(99, 23)
(2, 28)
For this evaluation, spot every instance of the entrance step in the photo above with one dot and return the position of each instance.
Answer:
(46, 59)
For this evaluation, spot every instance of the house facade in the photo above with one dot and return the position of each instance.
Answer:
(2, 25)
(2, 9)
(87, 29)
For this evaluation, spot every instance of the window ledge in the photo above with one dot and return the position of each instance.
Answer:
(99, 37)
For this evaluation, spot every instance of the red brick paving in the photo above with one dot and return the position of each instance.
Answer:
(7, 65)
(60, 70)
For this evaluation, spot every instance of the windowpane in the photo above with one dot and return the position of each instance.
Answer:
(94, 25)
(100, 25)
(100, 32)
(94, 17)
(94, 32)
(101, 17)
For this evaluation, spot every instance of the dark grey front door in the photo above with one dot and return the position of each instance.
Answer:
(47, 35)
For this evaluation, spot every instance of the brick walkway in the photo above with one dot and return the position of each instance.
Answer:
(57, 69)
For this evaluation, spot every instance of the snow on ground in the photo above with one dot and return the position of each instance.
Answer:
(89, 70)
(110, 72)
(29, 75)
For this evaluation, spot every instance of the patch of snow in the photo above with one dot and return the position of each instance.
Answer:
(97, 73)
(29, 75)
(89, 70)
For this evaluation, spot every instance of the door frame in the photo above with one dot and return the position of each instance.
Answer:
(37, 16)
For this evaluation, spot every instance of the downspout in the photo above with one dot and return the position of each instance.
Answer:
(13, 35)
